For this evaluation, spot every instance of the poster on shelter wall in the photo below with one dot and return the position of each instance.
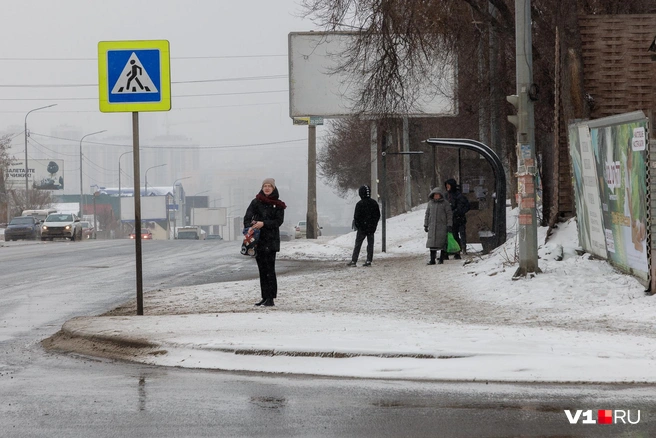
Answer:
(621, 156)
(42, 174)
(588, 204)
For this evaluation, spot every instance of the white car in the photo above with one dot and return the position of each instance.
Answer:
(301, 230)
(61, 225)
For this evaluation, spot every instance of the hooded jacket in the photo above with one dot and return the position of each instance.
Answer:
(458, 201)
(271, 211)
(438, 216)
(367, 212)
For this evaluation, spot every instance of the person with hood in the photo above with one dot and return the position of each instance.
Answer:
(365, 221)
(460, 207)
(267, 213)
(438, 221)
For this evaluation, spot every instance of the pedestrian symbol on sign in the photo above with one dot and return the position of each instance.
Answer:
(134, 78)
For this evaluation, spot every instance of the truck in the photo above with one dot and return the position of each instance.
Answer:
(41, 214)
(193, 232)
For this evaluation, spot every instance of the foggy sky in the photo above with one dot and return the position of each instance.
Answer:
(49, 55)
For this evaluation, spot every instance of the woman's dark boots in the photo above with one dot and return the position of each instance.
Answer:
(268, 302)
(433, 254)
(443, 255)
(261, 302)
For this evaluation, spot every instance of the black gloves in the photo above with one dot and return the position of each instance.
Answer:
(449, 229)
(426, 229)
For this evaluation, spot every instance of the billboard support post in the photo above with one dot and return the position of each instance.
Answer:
(312, 227)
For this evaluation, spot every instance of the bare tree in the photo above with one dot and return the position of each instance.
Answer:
(38, 199)
(399, 45)
(399, 41)
(345, 159)
(5, 162)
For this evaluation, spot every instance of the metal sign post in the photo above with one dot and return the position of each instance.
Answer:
(135, 76)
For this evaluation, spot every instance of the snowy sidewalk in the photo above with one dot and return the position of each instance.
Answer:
(369, 346)
(578, 321)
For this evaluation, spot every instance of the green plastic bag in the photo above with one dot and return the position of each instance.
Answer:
(451, 244)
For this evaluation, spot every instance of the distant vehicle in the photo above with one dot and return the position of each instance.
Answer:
(286, 235)
(40, 214)
(301, 230)
(23, 227)
(62, 225)
(146, 234)
(88, 231)
(214, 237)
(192, 232)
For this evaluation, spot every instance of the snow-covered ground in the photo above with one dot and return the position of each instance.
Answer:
(580, 320)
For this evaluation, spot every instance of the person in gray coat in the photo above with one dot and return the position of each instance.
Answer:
(438, 221)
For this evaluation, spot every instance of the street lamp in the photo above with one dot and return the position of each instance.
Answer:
(175, 212)
(81, 186)
(119, 172)
(160, 165)
(27, 185)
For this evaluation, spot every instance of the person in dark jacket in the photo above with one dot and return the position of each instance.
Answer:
(365, 221)
(437, 223)
(460, 207)
(267, 213)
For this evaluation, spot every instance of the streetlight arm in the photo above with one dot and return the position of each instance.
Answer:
(37, 109)
(81, 186)
(146, 175)
(27, 189)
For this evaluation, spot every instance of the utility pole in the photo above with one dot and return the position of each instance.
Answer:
(524, 121)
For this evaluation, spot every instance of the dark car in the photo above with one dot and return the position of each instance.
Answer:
(23, 227)
(145, 234)
(214, 237)
(286, 236)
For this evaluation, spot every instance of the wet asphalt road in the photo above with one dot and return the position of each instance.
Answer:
(45, 394)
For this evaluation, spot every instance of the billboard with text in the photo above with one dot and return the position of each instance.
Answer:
(609, 160)
(42, 174)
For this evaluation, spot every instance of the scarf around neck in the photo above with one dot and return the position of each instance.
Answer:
(269, 200)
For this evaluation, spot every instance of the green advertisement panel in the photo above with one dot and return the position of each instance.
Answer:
(619, 148)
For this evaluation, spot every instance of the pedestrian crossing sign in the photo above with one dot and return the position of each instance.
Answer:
(134, 76)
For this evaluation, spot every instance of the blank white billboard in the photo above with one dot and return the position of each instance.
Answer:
(209, 216)
(315, 89)
(153, 208)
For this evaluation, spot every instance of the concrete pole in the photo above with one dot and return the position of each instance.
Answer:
(407, 178)
(311, 225)
(526, 157)
(374, 161)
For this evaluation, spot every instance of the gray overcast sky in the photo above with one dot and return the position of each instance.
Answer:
(56, 43)
(208, 31)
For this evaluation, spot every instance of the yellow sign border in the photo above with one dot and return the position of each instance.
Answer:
(165, 80)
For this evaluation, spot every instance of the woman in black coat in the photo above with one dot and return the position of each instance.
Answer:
(266, 213)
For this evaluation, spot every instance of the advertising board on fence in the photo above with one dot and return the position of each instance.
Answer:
(609, 161)
(42, 174)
